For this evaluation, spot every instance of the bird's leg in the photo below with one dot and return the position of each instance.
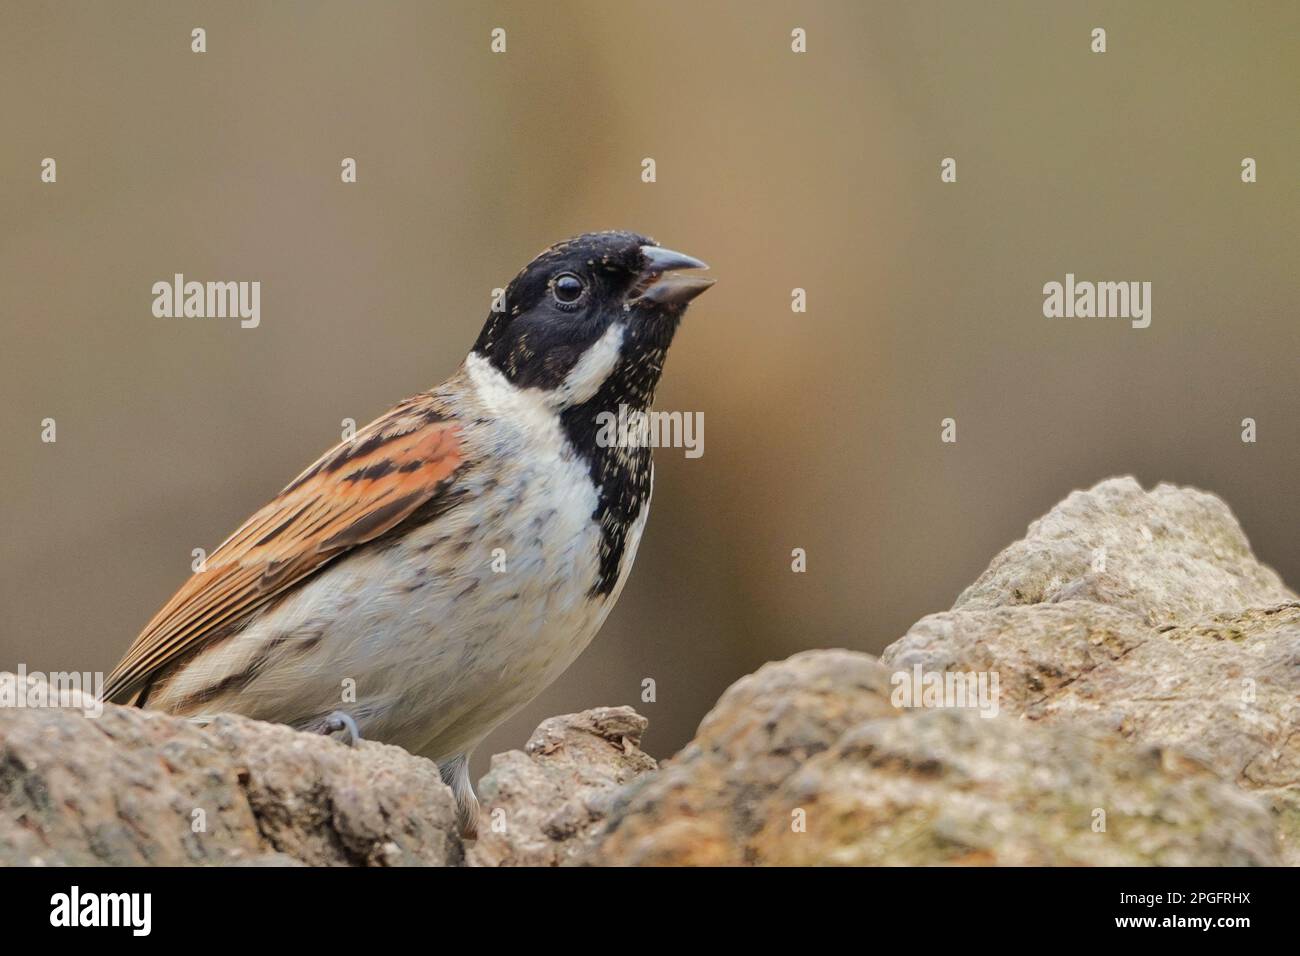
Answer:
(342, 727)
(455, 774)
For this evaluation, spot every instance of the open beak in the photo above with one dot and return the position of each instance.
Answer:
(661, 285)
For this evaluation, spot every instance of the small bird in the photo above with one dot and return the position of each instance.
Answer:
(425, 579)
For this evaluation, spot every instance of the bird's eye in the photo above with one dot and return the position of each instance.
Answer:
(567, 288)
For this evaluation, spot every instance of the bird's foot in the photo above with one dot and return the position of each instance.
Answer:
(342, 727)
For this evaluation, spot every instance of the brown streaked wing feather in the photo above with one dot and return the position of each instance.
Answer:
(354, 493)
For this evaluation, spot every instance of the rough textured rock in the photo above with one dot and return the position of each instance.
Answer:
(808, 762)
(1161, 647)
(1170, 555)
(1225, 691)
(1147, 668)
(541, 805)
(1148, 712)
(706, 804)
(948, 787)
(130, 788)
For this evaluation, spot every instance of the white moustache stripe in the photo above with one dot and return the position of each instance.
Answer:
(590, 372)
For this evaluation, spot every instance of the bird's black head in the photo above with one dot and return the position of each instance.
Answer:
(594, 314)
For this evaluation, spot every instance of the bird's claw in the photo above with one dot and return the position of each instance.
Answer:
(342, 727)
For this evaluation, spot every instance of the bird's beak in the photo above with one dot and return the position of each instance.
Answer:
(659, 286)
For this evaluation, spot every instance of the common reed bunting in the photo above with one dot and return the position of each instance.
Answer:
(458, 553)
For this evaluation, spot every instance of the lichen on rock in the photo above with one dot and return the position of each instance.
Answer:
(1148, 702)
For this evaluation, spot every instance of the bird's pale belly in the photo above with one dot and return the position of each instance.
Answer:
(432, 638)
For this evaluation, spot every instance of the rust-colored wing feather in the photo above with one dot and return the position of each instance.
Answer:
(354, 493)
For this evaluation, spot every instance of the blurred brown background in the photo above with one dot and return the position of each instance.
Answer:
(818, 170)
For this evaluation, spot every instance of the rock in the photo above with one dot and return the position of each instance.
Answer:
(1145, 666)
(1142, 708)
(808, 762)
(1161, 648)
(132, 787)
(948, 787)
(705, 805)
(1171, 555)
(542, 805)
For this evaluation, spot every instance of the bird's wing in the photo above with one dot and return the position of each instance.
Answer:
(354, 493)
